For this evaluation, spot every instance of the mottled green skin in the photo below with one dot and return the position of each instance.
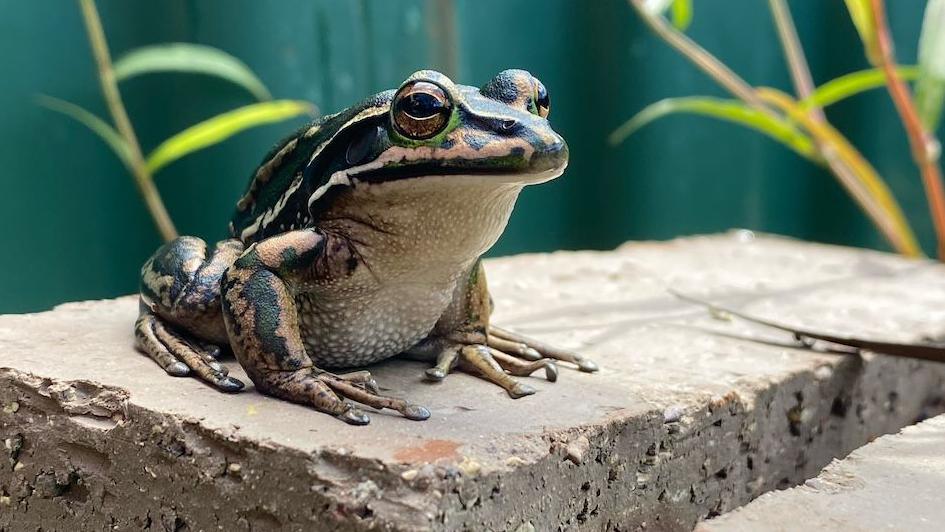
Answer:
(355, 243)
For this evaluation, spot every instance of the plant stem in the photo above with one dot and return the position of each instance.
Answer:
(443, 33)
(793, 52)
(858, 177)
(106, 76)
(851, 169)
(804, 87)
(925, 148)
(703, 59)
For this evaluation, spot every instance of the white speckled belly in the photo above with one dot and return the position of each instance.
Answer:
(424, 236)
(365, 328)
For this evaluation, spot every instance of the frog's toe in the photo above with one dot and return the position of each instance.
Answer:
(180, 356)
(533, 350)
(229, 385)
(516, 366)
(357, 392)
(354, 416)
(212, 351)
(177, 369)
(416, 413)
(484, 362)
(435, 373)
(521, 390)
(363, 379)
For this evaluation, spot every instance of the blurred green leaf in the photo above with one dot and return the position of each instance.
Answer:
(681, 14)
(729, 110)
(222, 127)
(191, 58)
(861, 11)
(851, 84)
(864, 183)
(930, 88)
(89, 120)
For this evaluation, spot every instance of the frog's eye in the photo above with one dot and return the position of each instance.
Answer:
(421, 110)
(542, 100)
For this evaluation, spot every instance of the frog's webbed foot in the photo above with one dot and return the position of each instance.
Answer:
(181, 355)
(496, 359)
(531, 349)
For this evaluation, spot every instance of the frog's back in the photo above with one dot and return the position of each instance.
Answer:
(276, 199)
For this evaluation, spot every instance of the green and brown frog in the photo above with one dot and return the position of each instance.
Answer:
(358, 239)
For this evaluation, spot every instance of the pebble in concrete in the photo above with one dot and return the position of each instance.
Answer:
(688, 417)
(893, 483)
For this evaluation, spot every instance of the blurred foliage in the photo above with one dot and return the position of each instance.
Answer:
(190, 58)
(681, 175)
(862, 14)
(170, 57)
(847, 85)
(930, 89)
(223, 126)
(799, 122)
(733, 111)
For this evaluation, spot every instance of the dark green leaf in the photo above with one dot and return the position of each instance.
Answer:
(89, 120)
(192, 58)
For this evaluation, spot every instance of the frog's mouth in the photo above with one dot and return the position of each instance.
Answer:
(512, 171)
(498, 170)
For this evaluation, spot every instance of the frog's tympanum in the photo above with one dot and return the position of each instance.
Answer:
(359, 238)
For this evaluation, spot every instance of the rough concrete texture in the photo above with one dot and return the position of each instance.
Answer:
(688, 417)
(893, 483)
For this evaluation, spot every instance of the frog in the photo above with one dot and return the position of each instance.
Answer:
(360, 238)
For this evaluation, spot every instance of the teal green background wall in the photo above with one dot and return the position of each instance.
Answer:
(73, 226)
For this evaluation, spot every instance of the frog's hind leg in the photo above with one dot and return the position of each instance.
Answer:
(179, 355)
(180, 323)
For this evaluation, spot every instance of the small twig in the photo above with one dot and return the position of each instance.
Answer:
(925, 148)
(707, 62)
(106, 75)
(794, 53)
(805, 337)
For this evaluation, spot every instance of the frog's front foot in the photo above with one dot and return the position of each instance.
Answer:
(327, 392)
(499, 357)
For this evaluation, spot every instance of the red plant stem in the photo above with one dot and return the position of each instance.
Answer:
(924, 145)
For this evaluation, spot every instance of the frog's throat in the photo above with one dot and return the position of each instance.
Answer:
(429, 220)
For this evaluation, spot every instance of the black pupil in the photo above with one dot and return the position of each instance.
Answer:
(421, 105)
(543, 99)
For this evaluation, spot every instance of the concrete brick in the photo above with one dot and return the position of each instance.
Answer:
(688, 417)
(893, 483)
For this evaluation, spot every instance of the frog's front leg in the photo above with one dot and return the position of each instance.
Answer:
(465, 338)
(263, 326)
